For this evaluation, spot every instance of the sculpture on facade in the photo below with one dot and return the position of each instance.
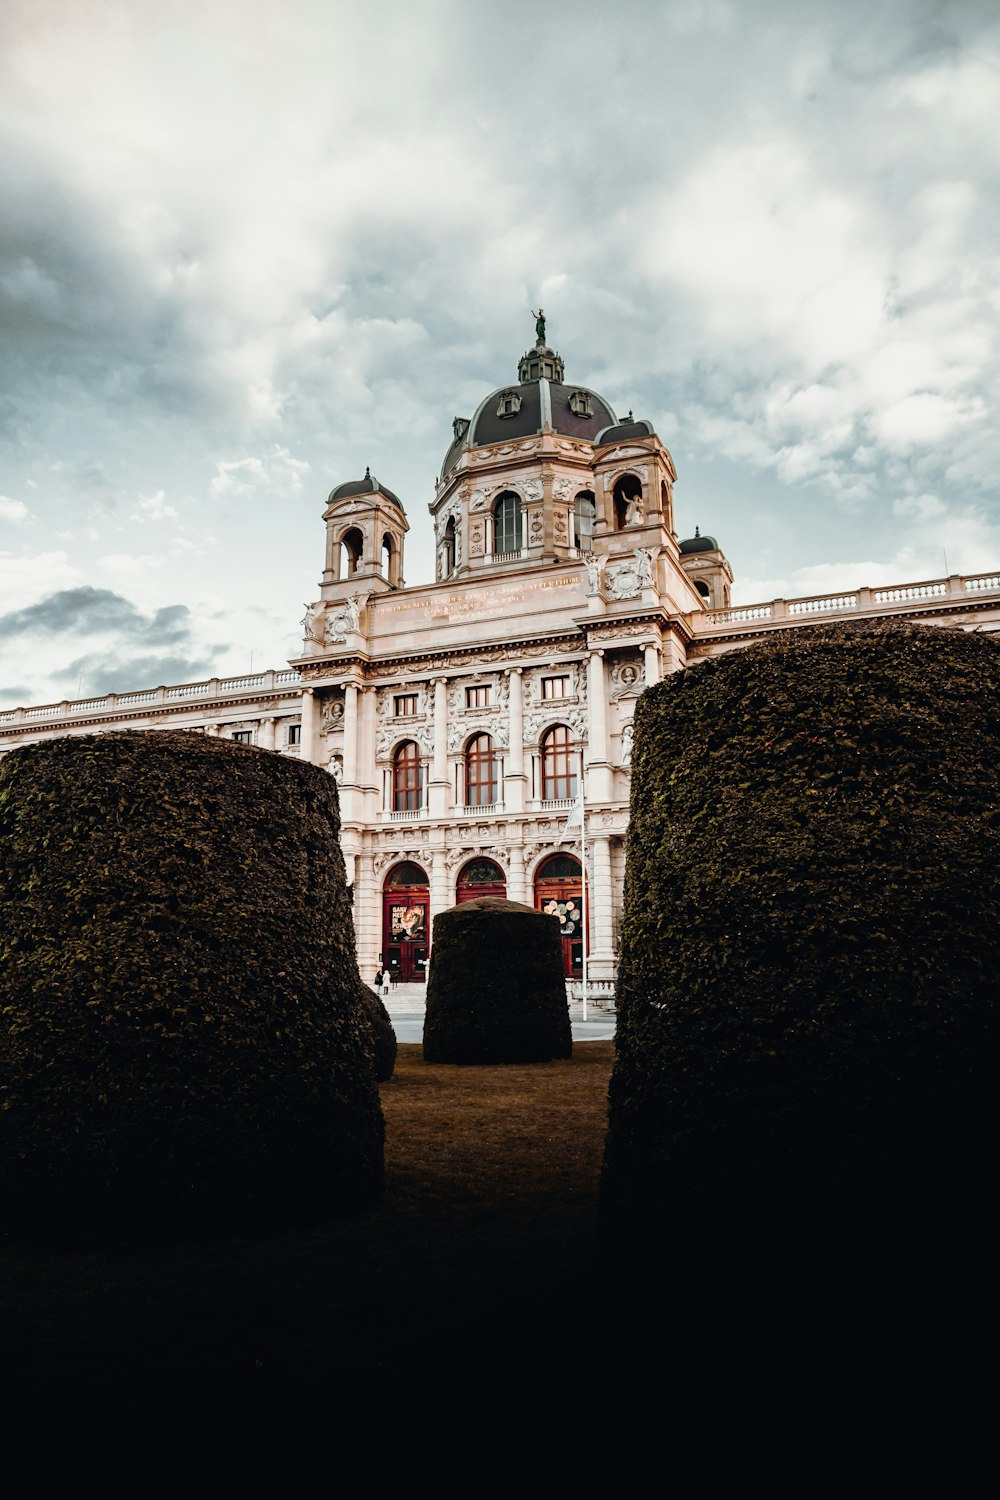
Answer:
(644, 557)
(312, 623)
(635, 515)
(539, 318)
(345, 619)
(627, 744)
(595, 567)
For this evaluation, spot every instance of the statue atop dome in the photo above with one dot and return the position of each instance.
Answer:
(539, 318)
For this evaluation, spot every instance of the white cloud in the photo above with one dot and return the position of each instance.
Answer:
(153, 508)
(279, 473)
(12, 510)
(26, 578)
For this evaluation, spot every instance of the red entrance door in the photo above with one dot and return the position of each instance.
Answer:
(558, 890)
(480, 877)
(405, 910)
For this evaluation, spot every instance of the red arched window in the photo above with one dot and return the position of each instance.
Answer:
(558, 765)
(480, 772)
(407, 778)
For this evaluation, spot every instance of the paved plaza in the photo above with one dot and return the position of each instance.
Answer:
(405, 1005)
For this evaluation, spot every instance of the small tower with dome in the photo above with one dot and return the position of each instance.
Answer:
(365, 527)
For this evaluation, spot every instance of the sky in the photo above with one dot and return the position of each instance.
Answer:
(247, 249)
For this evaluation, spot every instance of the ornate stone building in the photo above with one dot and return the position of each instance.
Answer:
(458, 716)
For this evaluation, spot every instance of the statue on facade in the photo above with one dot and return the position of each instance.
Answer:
(644, 557)
(539, 318)
(345, 619)
(595, 567)
(312, 624)
(627, 744)
(336, 768)
(635, 515)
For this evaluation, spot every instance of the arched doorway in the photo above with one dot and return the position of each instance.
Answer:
(406, 898)
(559, 891)
(480, 877)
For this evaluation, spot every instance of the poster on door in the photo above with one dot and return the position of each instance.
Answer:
(406, 924)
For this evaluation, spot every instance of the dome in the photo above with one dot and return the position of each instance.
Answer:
(699, 543)
(366, 486)
(541, 398)
(624, 431)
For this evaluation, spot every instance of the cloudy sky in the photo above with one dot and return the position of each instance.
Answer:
(247, 248)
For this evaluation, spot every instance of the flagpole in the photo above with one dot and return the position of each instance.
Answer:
(583, 883)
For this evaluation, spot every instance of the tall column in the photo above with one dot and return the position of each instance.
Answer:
(266, 739)
(439, 887)
(351, 734)
(515, 879)
(308, 736)
(514, 795)
(602, 951)
(652, 655)
(598, 770)
(438, 788)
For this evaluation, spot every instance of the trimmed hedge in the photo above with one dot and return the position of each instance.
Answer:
(182, 1045)
(807, 998)
(496, 991)
(383, 1038)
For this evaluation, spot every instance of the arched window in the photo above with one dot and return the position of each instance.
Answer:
(703, 588)
(449, 547)
(480, 877)
(628, 502)
(584, 511)
(407, 778)
(558, 768)
(481, 767)
(353, 544)
(387, 557)
(507, 523)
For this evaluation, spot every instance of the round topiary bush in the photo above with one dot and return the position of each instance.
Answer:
(496, 991)
(182, 1045)
(807, 999)
(383, 1038)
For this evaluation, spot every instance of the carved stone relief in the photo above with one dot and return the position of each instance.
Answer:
(626, 677)
(623, 581)
(332, 715)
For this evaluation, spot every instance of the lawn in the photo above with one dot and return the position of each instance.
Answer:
(481, 1265)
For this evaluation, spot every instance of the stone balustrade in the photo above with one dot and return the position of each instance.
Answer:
(114, 702)
(860, 602)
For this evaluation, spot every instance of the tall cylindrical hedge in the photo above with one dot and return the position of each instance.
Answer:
(182, 1043)
(810, 951)
(496, 991)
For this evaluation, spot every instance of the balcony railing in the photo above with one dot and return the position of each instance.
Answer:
(406, 815)
(480, 809)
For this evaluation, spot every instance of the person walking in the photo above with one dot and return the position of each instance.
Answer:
(385, 984)
(378, 982)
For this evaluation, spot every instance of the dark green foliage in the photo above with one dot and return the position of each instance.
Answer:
(181, 1041)
(807, 1002)
(383, 1038)
(496, 991)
